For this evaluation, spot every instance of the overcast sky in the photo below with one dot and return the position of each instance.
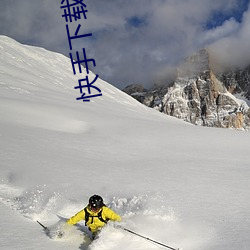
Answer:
(134, 41)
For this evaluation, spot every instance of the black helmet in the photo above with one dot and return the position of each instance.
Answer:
(96, 202)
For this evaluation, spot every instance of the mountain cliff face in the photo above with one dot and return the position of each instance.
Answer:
(237, 81)
(200, 96)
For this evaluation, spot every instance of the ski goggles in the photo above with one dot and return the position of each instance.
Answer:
(94, 208)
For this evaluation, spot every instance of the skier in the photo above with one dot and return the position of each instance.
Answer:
(95, 214)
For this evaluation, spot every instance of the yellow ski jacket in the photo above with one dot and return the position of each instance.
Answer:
(94, 223)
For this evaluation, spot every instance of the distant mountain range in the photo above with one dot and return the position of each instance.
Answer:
(201, 94)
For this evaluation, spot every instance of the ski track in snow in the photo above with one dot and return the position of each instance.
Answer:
(145, 214)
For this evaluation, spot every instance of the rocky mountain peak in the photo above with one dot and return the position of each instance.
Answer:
(202, 97)
(196, 64)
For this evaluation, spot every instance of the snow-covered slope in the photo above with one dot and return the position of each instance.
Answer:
(182, 185)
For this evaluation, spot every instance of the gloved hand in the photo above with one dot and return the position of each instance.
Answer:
(60, 233)
(118, 226)
(62, 230)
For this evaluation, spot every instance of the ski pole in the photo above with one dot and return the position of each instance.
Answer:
(146, 238)
(45, 228)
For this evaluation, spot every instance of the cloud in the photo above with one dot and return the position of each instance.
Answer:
(233, 49)
(228, 28)
(133, 41)
(31, 21)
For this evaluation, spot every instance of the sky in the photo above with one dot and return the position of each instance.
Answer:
(136, 41)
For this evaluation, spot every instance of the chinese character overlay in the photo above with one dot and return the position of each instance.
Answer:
(89, 85)
(73, 11)
(76, 35)
(77, 11)
(78, 62)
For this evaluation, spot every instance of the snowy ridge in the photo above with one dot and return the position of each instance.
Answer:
(179, 184)
(32, 66)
